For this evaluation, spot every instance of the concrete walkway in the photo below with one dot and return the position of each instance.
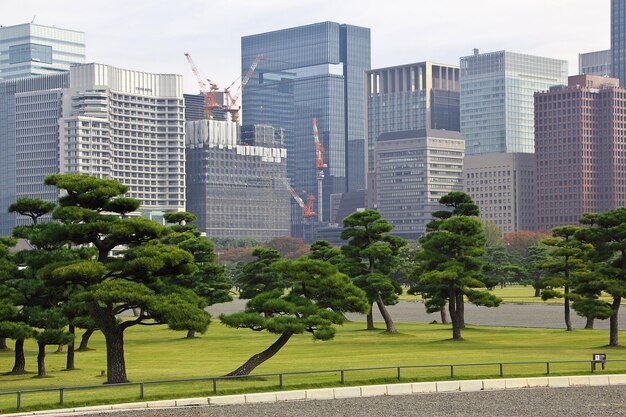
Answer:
(507, 315)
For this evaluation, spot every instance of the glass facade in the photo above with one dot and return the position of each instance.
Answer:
(618, 39)
(595, 63)
(31, 49)
(497, 109)
(312, 71)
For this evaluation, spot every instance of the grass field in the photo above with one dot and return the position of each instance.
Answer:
(155, 353)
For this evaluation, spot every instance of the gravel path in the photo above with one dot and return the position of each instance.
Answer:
(507, 315)
(536, 402)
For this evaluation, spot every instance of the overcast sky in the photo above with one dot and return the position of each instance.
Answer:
(153, 35)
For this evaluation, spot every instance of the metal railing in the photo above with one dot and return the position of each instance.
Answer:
(280, 376)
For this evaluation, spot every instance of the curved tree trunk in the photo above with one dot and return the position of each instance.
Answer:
(589, 323)
(41, 360)
(444, 316)
(116, 364)
(568, 320)
(613, 327)
(3, 344)
(19, 365)
(191, 334)
(69, 363)
(261, 357)
(370, 318)
(84, 340)
(460, 309)
(391, 328)
(59, 348)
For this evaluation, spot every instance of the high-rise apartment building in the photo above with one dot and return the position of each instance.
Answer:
(31, 49)
(415, 169)
(105, 122)
(22, 129)
(416, 96)
(580, 136)
(618, 39)
(595, 63)
(311, 71)
(503, 186)
(237, 190)
(497, 99)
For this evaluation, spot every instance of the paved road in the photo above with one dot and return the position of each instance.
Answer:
(537, 402)
(507, 315)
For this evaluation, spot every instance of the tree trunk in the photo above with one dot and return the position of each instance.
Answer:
(460, 309)
(136, 312)
(454, 317)
(442, 312)
(191, 334)
(589, 324)
(3, 344)
(59, 348)
(613, 327)
(370, 318)
(261, 357)
(69, 363)
(116, 365)
(391, 328)
(41, 359)
(84, 340)
(537, 291)
(19, 366)
(568, 320)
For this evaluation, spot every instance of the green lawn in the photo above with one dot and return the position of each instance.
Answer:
(155, 353)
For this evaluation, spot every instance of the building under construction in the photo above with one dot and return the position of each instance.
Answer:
(237, 190)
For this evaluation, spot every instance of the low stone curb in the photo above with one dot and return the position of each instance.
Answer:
(349, 392)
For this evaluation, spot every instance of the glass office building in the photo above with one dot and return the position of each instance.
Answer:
(618, 39)
(30, 49)
(497, 104)
(312, 71)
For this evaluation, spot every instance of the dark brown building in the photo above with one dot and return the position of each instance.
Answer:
(580, 145)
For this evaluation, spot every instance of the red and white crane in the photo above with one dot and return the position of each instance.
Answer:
(207, 88)
(231, 100)
(320, 166)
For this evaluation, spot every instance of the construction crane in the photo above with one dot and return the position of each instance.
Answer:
(320, 166)
(207, 88)
(307, 208)
(231, 100)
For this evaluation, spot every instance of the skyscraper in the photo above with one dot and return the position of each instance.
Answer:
(30, 49)
(497, 99)
(102, 121)
(416, 96)
(580, 136)
(595, 63)
(310, 71)
(415, 168)
(41, 138)
(618, 39)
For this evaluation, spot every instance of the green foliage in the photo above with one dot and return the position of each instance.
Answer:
(606, 232)
(31, 207)
(152, 276)
(449, 265)
(257, 277)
